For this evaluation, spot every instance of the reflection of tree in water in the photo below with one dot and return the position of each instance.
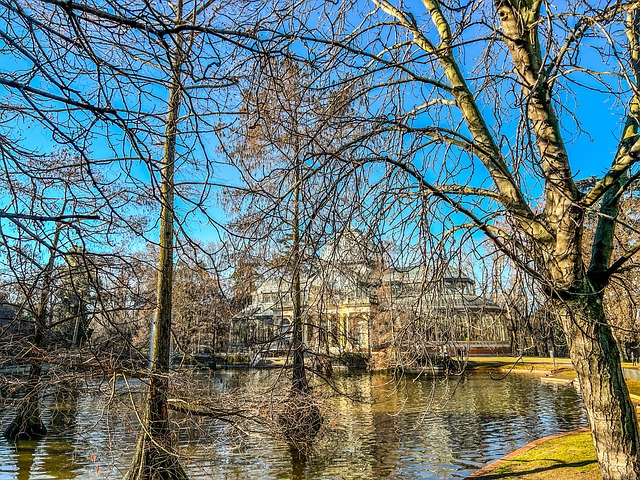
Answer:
(63, 408)
(298, 463)
(359, 431)
(59, 458)
(562, 403)
(54, 456)
(398, 426)
(384, 450)
(437, 425)
(25, 453)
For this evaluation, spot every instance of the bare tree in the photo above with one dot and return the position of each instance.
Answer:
(468, 108)
(275, 139)
(27, 423)
(100, 72)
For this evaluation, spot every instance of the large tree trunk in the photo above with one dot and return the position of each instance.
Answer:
(595, 356)
(155, 458)
(555, 233)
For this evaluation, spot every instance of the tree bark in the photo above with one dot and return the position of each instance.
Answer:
(155, 458)
(554, 235)
(596, 358)
(27, 424)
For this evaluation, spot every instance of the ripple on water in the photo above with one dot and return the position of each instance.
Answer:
(415, 429)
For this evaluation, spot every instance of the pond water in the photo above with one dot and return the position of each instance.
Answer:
(399, 428)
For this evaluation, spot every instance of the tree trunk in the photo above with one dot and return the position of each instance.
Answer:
(595, 356)
(155, 458)
(27, 423)
(300, 417)
(299, 381)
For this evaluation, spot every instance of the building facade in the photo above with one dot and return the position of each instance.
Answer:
(353, 302)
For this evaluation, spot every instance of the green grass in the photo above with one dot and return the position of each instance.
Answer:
(528, 364)
(568, 457)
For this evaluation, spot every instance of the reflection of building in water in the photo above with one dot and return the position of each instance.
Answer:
(353, 302)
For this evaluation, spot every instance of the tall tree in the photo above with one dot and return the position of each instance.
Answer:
(469, 105)
(155, 457)
(275, 135)
(90, 76)
(290, 113)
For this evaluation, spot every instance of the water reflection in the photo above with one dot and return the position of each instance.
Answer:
(25, 454)
(298, 464)
(400, 428)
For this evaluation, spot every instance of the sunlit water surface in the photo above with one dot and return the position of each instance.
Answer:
(404, 428)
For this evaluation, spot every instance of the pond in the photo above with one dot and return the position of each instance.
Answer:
(396, 428)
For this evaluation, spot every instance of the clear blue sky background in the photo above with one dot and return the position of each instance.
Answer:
(589, 154)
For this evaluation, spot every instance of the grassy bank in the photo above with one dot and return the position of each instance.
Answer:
(527, 364)
(566, 457)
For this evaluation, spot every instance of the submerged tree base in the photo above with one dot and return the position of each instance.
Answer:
(27, 425)
(153, 462)
(300, 420)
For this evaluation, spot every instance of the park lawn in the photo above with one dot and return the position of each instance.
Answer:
(530, 364)
(567, 457)
(562, 367)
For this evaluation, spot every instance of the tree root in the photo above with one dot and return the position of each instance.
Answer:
(27, 424)
(153, 462)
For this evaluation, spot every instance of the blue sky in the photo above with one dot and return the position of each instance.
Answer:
(590, 154)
